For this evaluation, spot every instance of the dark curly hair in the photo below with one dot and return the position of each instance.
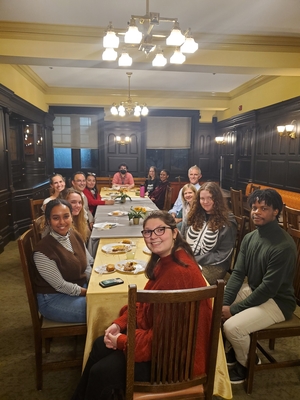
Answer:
(269, 196)
(179, 243)
(219, 216)
(54, 203)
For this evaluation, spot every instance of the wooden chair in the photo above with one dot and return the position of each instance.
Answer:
(35, 208)
(38, 225)
(253, 188)
(44, 330)
(173, 344)
(168, 198)
(237, 202)
(291, 217)
(241, 232)
(284, 329)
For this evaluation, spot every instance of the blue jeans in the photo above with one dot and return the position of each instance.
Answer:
(62, 307)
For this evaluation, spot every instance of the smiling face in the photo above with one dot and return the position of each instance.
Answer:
(262, 214)
(90, 182)
(76, 202)
(79, 182)
(163, 176)
(194, 176)
(58, 184)
(152, 173)
(160, 245)
(206, 201)
(189, 195)
(60, 219)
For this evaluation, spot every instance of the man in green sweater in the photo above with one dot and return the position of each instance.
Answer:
(267, 259)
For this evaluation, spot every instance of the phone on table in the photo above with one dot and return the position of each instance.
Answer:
(111, 282)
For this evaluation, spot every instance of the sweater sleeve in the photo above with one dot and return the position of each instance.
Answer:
(91, 200)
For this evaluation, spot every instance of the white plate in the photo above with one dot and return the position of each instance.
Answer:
(104, 225)
(102, 269)
(139, 266)
(146, 250)
(108, 248)
(118, 213)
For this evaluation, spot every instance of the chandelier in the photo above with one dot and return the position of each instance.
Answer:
(128, 106)
(183, 43)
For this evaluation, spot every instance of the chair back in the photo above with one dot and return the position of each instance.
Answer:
(36, 208)
(291, 217)
(168, 198)
(253, 188)
(240, 233)
(236, 202)
(38, 226)
(175, 322)
(26, 243)
(295, 233)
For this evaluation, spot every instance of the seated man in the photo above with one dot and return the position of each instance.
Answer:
(194, 174)
(267, 258)
(123, 178)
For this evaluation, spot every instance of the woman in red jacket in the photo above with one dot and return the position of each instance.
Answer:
(92, 194)
(172, 266)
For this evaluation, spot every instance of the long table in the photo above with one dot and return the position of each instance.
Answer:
(103, 306)
(125, 228)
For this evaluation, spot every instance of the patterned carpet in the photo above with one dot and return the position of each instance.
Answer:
(17, 367)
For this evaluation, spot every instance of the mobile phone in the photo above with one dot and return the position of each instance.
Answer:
(111, 282)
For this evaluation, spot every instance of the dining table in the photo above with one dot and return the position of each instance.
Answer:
(104, 304)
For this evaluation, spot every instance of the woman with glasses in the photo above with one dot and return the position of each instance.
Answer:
(171, 267)
(92, 194)
(211, 232)
(159, 193)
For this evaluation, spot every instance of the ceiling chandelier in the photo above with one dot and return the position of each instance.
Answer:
(183, 43)
(128, 106)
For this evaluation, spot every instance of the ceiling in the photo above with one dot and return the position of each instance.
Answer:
(59, 45)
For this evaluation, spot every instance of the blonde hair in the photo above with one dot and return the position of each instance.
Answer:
(185, 187)
(79, 221)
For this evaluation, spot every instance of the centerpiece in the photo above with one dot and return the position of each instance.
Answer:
(136, 214)
(123, 196)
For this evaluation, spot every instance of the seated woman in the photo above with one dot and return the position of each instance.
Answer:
(74, 197)
(57, 189)
(159, 193)
(188, 195)
(152, 181)
(92, 194)
(62, 267)
(212, 232)
(171, 266)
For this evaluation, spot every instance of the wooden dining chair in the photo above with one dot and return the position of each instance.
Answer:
(253, 188)
(44, 330)
(291, 217)
(236, 197)
(35, 208)
(168, 198)
(240, 233)
(175, 316)
(38, 226)
(284, 329)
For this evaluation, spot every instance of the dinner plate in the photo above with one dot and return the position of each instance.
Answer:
(118, 213)
(139, 266)
(104, 225)
(146, 250)
(109, 248)
(102, 269)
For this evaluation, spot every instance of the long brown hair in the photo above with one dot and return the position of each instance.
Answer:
(52, 190)
(79, 221)
(179, 243)
(219, 216)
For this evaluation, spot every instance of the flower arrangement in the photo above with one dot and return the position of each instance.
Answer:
(123, 196)
(137, 212)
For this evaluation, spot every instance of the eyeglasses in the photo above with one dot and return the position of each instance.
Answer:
(158, 231)
(80, 180)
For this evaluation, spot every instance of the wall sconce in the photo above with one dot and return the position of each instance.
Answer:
(288, 130)
(220, 140)
(122, 139)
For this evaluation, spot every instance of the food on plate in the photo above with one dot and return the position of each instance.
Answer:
(116, 213)
(120, 247)
(129, 266)
(126, 241)
(110, 267)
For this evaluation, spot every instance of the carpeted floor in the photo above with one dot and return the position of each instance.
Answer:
(17, 368)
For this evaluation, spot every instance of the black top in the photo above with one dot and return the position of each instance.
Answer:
(151, 184)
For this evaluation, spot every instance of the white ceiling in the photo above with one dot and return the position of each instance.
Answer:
(239, 40)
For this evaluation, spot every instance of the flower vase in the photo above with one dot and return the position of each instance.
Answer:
(136, 221)
(123, 200)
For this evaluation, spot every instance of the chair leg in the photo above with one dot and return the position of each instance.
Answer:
(38, 363)
(251, 363)
(271, 344)
(47, 344)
